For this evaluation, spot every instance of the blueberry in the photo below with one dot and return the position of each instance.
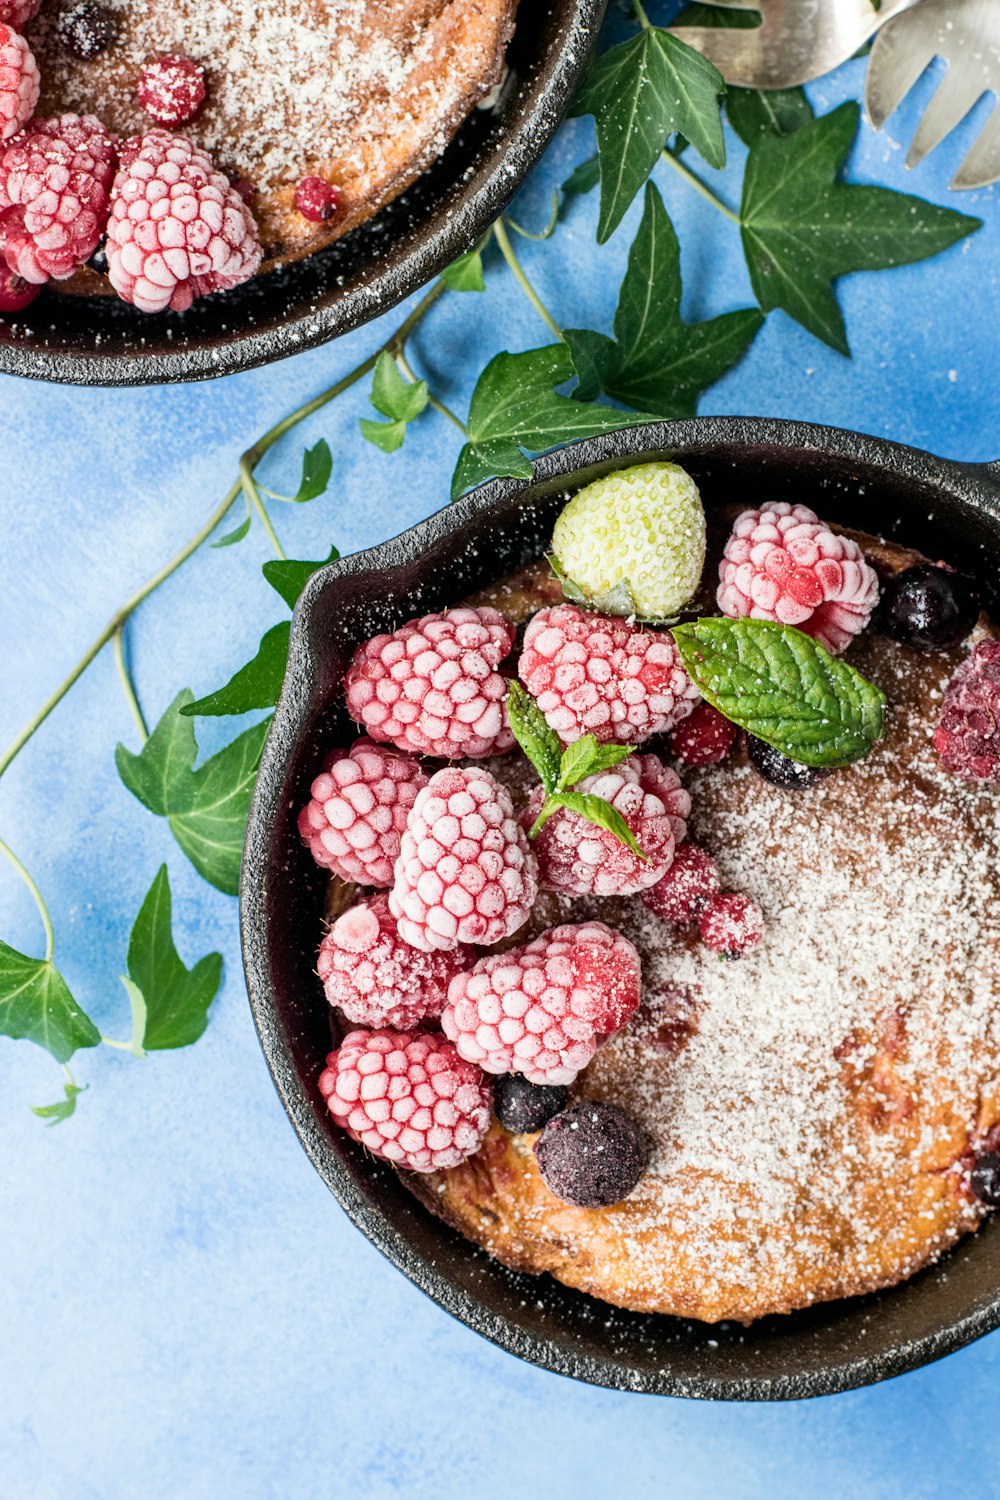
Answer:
(985, 1179)
(85, 29)
(928, 608)
(790, 775)
(521, 1106)
(591, 1155)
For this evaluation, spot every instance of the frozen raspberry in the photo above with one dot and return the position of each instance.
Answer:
(408, 1097)
(17, 13)
(359, 806)
(705, 738)
(731, 924)
(781, 563)
(598, 674)
(86, 30)
(376, 978)
(581, 859)
(968, 737)
(665, 783)
(521, 1106)
(686, 888)
(591, 1155)
(15, 292)
(316, 199)
(55, 178)
(19, 82)
(543, 1009)
(465, 873)
(178, 229)
(432, 687)
(171, 89)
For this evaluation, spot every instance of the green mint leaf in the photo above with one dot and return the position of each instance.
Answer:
(385, 435)
(36, 1006)
(584, 178)
(756, 112)
(595, 810)
(257, 685)
(659, 363)
(802, 228)
(54, 1114)
(317, 466)
(539, 743)
(585, 757)
(782, 686)
(394, 397)
(465, 274)
(232, 537)
(288, 576)
(639, 93)
(175, 999)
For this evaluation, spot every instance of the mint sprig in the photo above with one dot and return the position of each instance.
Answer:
(559, 770)
(783, 687)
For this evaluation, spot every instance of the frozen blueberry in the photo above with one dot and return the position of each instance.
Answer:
(985, 1179)
(931, 609)
(592, 1154)
(522, 1106)
(791, 775)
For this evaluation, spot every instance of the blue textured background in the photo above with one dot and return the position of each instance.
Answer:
(184, 1311)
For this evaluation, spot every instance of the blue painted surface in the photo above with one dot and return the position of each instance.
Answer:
(185, 1312)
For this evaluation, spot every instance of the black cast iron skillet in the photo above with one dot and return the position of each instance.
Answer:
(101, 341)
(949, 510)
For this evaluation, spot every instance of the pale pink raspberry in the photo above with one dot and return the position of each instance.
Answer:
(432, 687)
(686, 888)
(55, 182)
(355, 818)
(732, 924)
(409, 1097)
(465, 873)
(782, 563)
(543, 1009)
(19, 82)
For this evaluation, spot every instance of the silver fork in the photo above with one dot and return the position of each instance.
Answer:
(796, 40)
(967, 34)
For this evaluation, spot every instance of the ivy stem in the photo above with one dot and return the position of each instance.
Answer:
(407, 369)
(128, 688)
(252, 495)
(109, 1041)
(509, 255)
(36, 896)
(641, 15)
(700, 187)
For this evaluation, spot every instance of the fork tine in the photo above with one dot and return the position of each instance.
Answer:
(738, 55)
(893, 68)
(950, 104)
(982, 164)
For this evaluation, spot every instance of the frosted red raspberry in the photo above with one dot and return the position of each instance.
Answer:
(355, 818)
(376, 978)
(543, 1009)
(432, 687)
(968, 737)
(597, 674)
(703, 739)
(581, 859)
(316, 199)
(781, 563)
(15, 292)
(55, 181)
(408, 1097)
(17, 13)
(686, 888)
(19, 82)
(171, 89)
(465, 873)
(178, 229)
(731, 924)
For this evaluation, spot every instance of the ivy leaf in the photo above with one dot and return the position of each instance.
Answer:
(232, 537)
(394, 397)
(54, 1114)
(478, 462)
(288, 576)
(385, 435)
(36, 1006)
(465, 274)
(160, 774)
(175, 999)
(584, 178)
(531, 730)
(639, 93)
(756, 112)
(257, 685)
(317, 466)
(659, 363)
(802, 229)
(784, 687)
(603, 815)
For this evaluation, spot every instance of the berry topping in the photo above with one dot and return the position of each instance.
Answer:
(358, 810)
(781, 770)
(15, 292)
(408, 1097)
(17, 13)
(19, 82)
(86, 29)
(968, 737)
(376, 978)
(316, 199)
(543, 1009)
(687, 887)
(705, 738)
(591, 1155)
(432, 687)
(984, 1179)
(781, 563)
(522, 1107)
(171, 89)
(465, 873)
(55, 180)
(640, 531)
(597, 674)
(580, 858)
(931, 609)
(178, 228)
(731, 924)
